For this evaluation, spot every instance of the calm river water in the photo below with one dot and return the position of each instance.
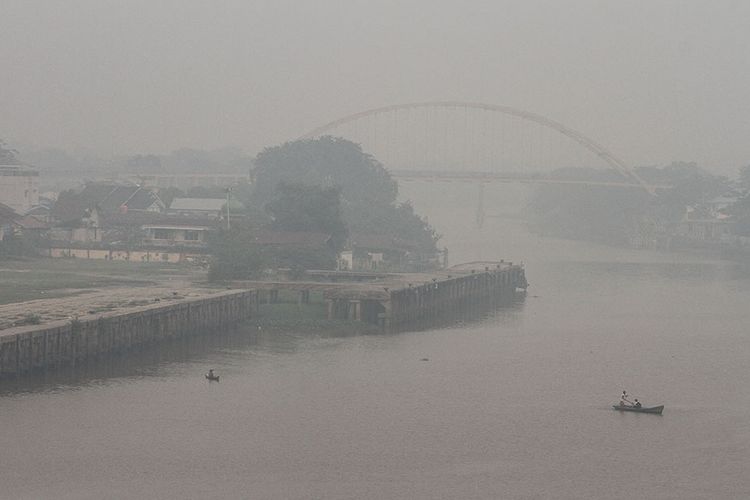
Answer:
(514, 406)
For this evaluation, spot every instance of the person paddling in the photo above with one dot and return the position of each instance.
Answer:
(624, 399)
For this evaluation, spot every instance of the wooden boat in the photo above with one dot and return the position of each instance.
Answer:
(215, 378)
(640, 409)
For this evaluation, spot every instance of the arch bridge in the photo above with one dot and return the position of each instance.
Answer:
(425, 141)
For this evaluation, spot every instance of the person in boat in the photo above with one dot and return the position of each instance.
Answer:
(624, 401)
(637, 403)
(211, 373)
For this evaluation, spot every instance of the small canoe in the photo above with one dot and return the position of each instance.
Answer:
(642, 409)
(215, 378)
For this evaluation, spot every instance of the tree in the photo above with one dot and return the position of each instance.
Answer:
(143, 164)
(300, 207)
(235, 255)
(367, 191)
(326, 162)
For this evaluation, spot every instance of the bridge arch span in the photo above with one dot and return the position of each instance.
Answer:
(585, 141)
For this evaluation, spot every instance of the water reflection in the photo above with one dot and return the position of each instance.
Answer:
(142, 362)
(241, 344)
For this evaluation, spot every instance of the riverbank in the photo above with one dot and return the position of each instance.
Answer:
(38, 291)
(69, 342)
(26, 279)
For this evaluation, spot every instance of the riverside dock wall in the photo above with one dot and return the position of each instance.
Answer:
(51, 345)
(427, 297)
(432, 300)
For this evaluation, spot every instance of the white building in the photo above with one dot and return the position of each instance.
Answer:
(19, 187)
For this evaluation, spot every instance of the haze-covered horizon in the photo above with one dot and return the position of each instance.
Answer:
(654, 82)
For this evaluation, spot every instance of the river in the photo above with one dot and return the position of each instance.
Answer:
(516, 405)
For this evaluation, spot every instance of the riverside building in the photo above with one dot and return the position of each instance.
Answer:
(19, 187)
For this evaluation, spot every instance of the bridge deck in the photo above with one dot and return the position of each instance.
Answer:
(506, 177)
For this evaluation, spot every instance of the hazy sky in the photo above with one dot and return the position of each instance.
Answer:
(654, 81)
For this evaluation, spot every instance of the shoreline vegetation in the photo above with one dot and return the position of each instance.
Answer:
(695, 210)
(31, 278)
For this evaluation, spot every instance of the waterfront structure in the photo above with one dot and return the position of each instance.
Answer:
(396, 300)
(19, 187)
(26, 348)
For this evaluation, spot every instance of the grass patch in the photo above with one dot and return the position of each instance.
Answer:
(29, 319)
(43, 278)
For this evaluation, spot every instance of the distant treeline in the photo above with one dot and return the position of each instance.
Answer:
(616, 215)
(184, 161)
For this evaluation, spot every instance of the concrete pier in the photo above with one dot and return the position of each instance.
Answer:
(398, 299)
(390, 303)
(32, 347)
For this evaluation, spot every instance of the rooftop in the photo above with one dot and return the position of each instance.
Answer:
(106, 197)
(198, 204)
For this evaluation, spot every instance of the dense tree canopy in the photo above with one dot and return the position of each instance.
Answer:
(235, 255)
(327, 161)
(368, 193)
(300, 207)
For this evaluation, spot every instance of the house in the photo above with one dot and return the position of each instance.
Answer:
(702, 224)
(171, 231)
(81, 216)
(151, 229)
(107, 198)
(12, 223)
(139, 236)
(85, 229)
